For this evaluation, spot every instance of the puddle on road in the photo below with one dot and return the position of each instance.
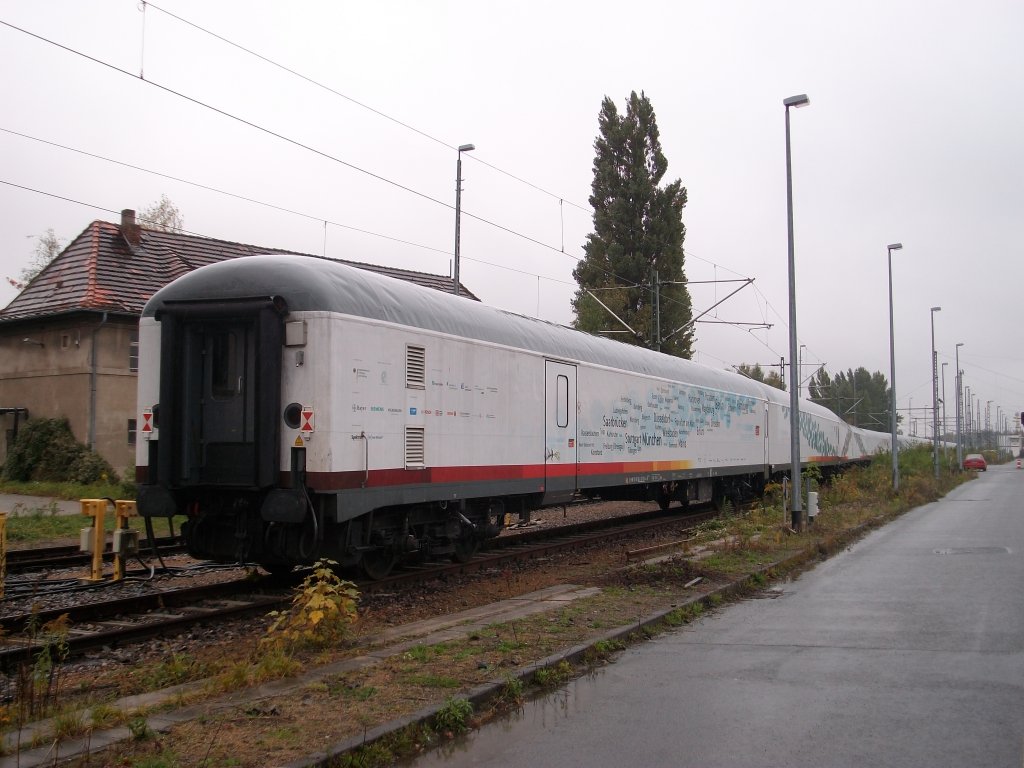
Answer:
(499, 738)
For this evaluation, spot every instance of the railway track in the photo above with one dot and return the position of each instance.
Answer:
(69, 556)
(129, 619)
(125, 620)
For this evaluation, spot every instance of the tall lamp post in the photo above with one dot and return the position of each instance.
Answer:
(969, 412)
(935, 398)
(998, 424)
(458, 208)
(892, 379)
(959, 405)
(796, 517)
(800, 365)
(943, 401)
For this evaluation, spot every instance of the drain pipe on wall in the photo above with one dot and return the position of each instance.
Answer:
(93, 375)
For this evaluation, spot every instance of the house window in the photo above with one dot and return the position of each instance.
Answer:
(133, 352)
(131, 431)
(65, 341)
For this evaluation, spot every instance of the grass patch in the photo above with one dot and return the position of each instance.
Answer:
(431, 681)
(425, 653)
(173, 670)
(69, 491)
(553, 676)
(351, 691)
(453, 716)
(30, 525)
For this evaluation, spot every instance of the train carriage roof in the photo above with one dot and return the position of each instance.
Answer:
(316, 284)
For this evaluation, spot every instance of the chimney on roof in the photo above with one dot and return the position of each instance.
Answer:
(131, 231)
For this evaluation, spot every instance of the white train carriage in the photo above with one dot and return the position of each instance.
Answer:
(825, 439)
(295, 407)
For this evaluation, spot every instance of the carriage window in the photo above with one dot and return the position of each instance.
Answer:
(562, 401)
(224, 373)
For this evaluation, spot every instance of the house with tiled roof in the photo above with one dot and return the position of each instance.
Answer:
(69, 340)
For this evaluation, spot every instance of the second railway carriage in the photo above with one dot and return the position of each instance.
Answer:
(295, 407)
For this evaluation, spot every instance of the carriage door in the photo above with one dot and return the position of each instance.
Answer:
(559, 431)
(223, 383)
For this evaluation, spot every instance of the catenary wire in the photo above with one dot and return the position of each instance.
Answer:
(374, 110)
(296, 143)
(299, 144)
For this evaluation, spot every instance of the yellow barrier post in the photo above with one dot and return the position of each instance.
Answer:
(3, 551)
(126, 541)
(94, 539)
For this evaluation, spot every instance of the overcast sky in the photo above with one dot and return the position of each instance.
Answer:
(914, 134)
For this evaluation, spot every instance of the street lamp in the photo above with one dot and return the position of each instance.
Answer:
(892, 379)
(944, 402)
(796, 516)
(800, 365)
(935, 398)
(959, 410)
(968, 410)
(458, 208)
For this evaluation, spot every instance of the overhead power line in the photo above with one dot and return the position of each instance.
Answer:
(362, 105)
(279, 208)
(294, 142)
(382, 114)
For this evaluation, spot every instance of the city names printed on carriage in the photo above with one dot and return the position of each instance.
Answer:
(668, 416)
(815, 437)
(457, 398)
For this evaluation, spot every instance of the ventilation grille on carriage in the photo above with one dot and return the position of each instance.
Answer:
(415, 367)
(415, 457)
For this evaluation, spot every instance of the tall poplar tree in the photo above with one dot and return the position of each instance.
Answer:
(638, 236)
(861, 398)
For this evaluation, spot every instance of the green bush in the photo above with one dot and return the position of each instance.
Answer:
(47, 451)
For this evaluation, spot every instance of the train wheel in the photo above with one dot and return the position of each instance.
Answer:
(465, 548)
(377, 564)
(664, 500)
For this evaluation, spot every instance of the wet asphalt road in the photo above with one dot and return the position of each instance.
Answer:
(906, 650)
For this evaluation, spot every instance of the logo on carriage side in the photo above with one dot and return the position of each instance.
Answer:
(307, 419)
(412, 411)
